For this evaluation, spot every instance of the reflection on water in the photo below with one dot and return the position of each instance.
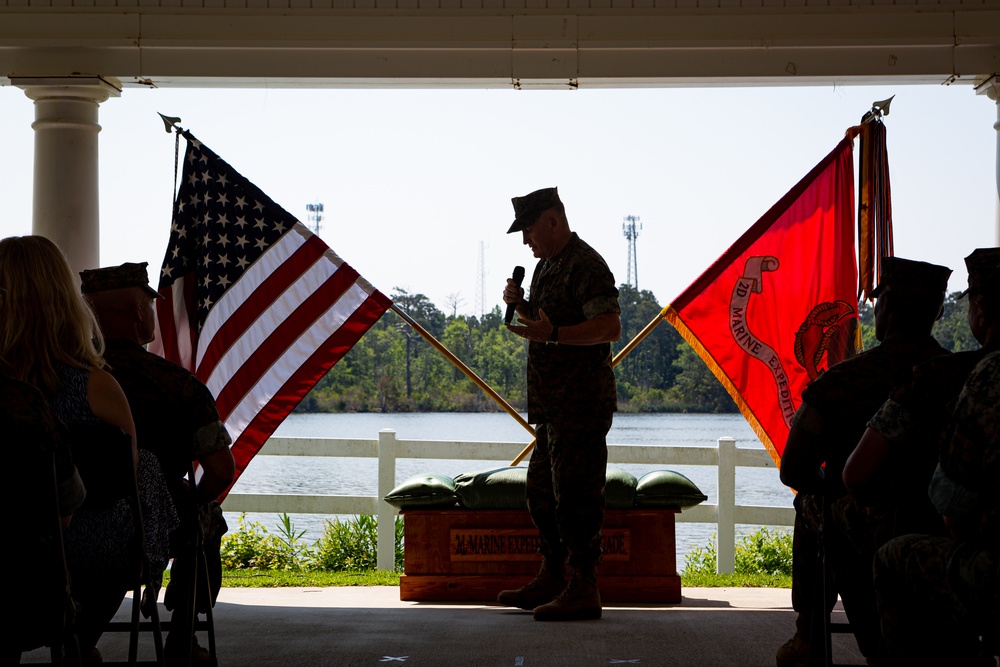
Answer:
(359, 476)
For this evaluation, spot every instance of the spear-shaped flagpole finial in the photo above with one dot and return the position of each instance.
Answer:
(170, 123)
(882, 106)
(879, 109)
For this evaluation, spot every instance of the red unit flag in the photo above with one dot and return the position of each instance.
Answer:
(254, 304)
(779, 306)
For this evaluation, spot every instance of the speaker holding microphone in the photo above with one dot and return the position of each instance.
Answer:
(518, 278)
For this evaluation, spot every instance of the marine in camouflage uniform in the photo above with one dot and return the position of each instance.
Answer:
(828, 424)
(176, 419)
(571, 400)
(174, 413)
(901, 446)
(939, 595)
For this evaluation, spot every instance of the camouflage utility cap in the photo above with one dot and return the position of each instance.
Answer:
(984, 272)
(530, 206)
(911, 276)
(127, 275)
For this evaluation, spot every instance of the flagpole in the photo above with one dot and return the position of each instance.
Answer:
(625, 351)
(465, 369)
(648, 329)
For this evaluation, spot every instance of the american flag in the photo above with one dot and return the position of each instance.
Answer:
(254, 304)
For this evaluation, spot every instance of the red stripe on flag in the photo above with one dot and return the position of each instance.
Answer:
(167, 338)
(284, 335)
(298, 385)
(272, 288)
(170, 330)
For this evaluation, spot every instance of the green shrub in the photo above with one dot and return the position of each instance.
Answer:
(252, 548)
(345, 546)
(352, 545)
(767, 552)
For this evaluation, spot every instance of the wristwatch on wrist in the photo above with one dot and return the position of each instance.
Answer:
(554, 336)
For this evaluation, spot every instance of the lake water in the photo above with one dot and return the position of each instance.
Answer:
(359, 476)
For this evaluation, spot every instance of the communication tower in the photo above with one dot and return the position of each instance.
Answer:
(481, 282)
(631, 228)
(315, 216)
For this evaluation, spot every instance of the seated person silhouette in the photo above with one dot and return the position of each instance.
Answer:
(938, 595)
(52, 341)
(825, 429)
(176, 419)
(889, 470)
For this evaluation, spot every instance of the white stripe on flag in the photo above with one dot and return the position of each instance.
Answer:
(243, 289)
(295, 355)
(269, 319)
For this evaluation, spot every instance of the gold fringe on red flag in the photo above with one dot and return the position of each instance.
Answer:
(874, 198)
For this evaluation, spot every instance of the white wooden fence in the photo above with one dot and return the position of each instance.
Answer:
(726, 457)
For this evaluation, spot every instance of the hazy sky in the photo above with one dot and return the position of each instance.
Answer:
(415, 182)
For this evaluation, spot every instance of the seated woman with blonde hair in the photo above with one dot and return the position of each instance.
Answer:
(50, 338)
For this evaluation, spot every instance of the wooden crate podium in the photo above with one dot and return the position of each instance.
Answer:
(471, 555)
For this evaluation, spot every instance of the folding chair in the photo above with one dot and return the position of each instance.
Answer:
(47, 610)
(828, 599)
(103, 454)
(201, 587)
(822, 625)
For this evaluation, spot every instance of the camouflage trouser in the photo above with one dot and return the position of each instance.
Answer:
(849, 569)
(936, 598)
(565, 489)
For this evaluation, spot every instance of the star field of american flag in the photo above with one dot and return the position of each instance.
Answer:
(222, 223)
(254, 304)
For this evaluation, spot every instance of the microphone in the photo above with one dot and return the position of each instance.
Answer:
(511, 307)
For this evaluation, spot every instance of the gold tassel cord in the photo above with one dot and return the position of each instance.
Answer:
(874, 198)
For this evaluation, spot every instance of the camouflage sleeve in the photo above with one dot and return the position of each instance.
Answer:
(971, 453)
(209, 433)
(595, 290)
(893, 421)
(950, 498)
(808, 419)
(210, 438)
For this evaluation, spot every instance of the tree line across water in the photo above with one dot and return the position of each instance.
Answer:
(393, 369)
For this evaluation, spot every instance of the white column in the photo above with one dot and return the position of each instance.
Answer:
(66, 198)
(991, 88)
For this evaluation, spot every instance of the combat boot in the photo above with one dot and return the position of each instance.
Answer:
(581, 601)
(547, 584)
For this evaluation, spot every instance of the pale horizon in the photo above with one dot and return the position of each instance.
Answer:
(415, 182)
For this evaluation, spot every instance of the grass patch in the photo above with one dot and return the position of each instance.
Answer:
(278, 579)
(317, 579)
(702, 580)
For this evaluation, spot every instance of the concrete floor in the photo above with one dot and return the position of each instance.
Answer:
(356, 626)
